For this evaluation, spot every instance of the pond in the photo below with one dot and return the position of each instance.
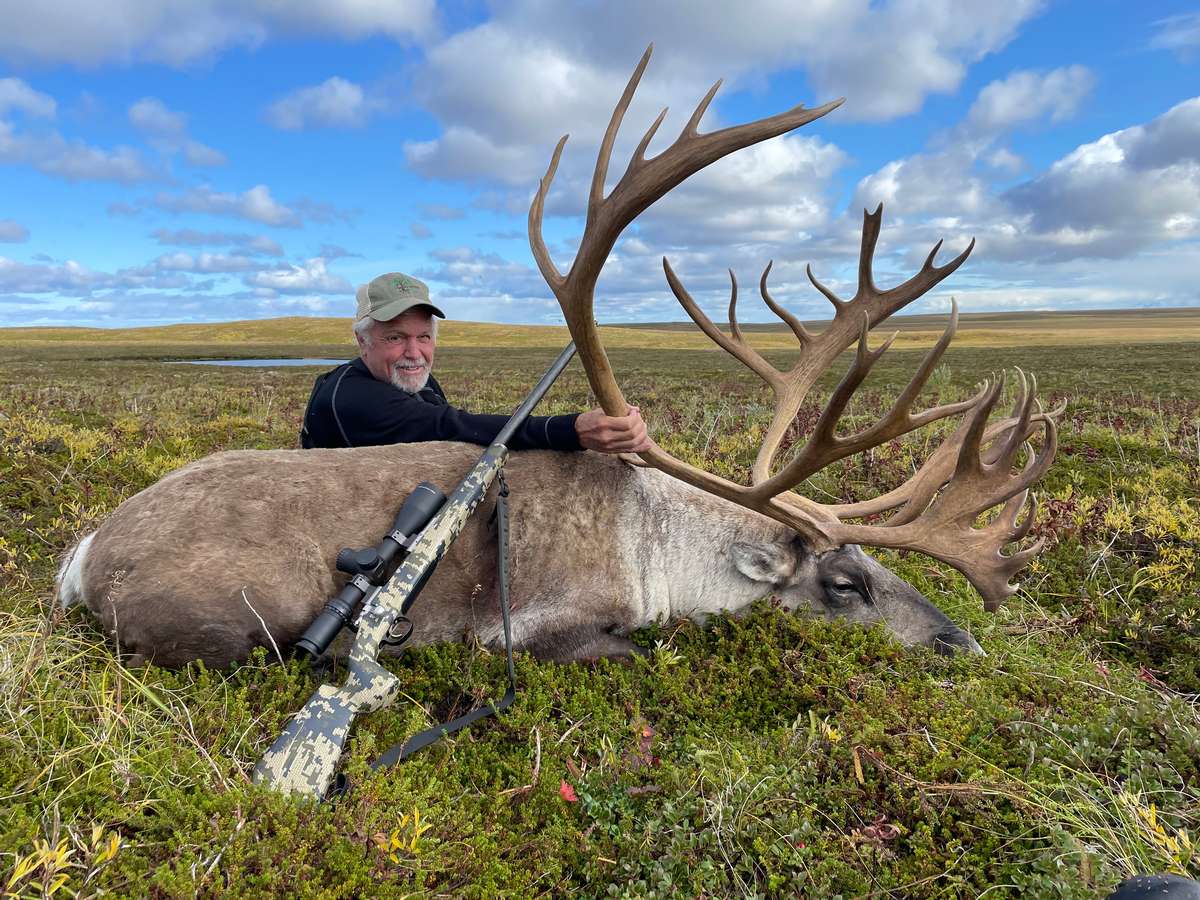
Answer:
(255, 362)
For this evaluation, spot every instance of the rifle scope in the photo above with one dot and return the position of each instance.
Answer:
(369, 568)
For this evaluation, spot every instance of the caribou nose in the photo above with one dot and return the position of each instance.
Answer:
(955, 640)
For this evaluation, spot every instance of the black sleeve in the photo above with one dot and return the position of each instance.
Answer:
(367, 412)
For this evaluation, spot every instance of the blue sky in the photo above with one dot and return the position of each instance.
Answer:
(204, 160)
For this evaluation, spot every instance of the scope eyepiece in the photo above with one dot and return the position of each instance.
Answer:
(333, 618)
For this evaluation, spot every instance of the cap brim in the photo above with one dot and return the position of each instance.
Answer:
(388, 311)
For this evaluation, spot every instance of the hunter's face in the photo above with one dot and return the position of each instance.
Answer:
(400, 351)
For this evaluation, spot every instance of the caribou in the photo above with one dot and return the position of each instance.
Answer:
(237, 550)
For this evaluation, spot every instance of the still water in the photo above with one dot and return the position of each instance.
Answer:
(256, 362)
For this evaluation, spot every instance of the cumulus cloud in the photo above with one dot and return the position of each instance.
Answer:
(149, 114)
(207, 263)
(73, 279)
(13, 232)
(419, 230)
(243, 243)
(183, 32)
(72, 160)
(886, 58)
(310, 277)
(49, 152)
(1130, 197)
(1026, 96)
(334, 103)
(167, 131)
(132, 308)
(1119, 194)
(255, 204)
(15, 94)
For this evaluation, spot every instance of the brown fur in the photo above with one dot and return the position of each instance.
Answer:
(237, 551)
(165, 574)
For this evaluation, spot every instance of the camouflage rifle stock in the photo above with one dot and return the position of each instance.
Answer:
(305, 757)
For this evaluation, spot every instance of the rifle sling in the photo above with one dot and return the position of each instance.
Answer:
(401, 750)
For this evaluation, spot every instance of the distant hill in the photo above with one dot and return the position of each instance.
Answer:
(975, 329)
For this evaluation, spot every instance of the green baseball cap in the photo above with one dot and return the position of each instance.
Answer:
(387, 296)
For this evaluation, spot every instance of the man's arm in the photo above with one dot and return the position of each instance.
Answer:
(357, 410)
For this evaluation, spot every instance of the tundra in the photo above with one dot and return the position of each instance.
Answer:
(237, 550)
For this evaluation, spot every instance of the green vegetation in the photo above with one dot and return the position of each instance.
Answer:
(771, 755)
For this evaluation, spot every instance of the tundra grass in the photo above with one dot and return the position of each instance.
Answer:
(770, 755)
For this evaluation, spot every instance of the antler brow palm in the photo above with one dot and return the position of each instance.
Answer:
(935, 511)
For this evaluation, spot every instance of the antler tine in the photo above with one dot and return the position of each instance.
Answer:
(881, 304)
(736, 345)
(885, 303)
(969, 463)
(537, 244)
(803, 335)
(838, 302)
(823, 447)
(914, 495)
(639, 155)
(872, 223)
(596, 195)
(734, 328)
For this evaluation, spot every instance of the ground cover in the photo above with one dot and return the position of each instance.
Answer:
(311, 336)
(765, 756)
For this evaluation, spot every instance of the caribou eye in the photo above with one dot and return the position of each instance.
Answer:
(841, 589)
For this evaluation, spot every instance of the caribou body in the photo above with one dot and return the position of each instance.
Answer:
(237, 551)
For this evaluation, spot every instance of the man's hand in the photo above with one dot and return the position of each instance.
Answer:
(612, 434)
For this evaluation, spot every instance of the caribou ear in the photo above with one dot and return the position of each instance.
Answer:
(771, 563)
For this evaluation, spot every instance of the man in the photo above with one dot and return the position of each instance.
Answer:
(388, 395)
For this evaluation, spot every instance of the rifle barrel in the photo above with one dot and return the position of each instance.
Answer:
(522, 412)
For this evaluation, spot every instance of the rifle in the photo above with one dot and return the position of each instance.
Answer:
(304, 759)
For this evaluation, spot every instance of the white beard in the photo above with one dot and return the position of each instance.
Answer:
(409, 383)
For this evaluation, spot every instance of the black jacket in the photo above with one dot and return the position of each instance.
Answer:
(349, 407)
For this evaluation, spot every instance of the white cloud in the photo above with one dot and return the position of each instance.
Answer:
(334, 103)
(13, 232)
(15, 94)
(149, 114)
(182, 32)
(1120, 194)
(72, 160)
(77, 161)
(886, 58)
(71, 278)
(1026, 96)
(207, 263)
(312, 277)
(255, 204)
(1178, 33)
(167, 131)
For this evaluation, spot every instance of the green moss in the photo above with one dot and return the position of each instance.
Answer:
(767, 755)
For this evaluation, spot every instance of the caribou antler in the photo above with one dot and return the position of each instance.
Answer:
(936, 511)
